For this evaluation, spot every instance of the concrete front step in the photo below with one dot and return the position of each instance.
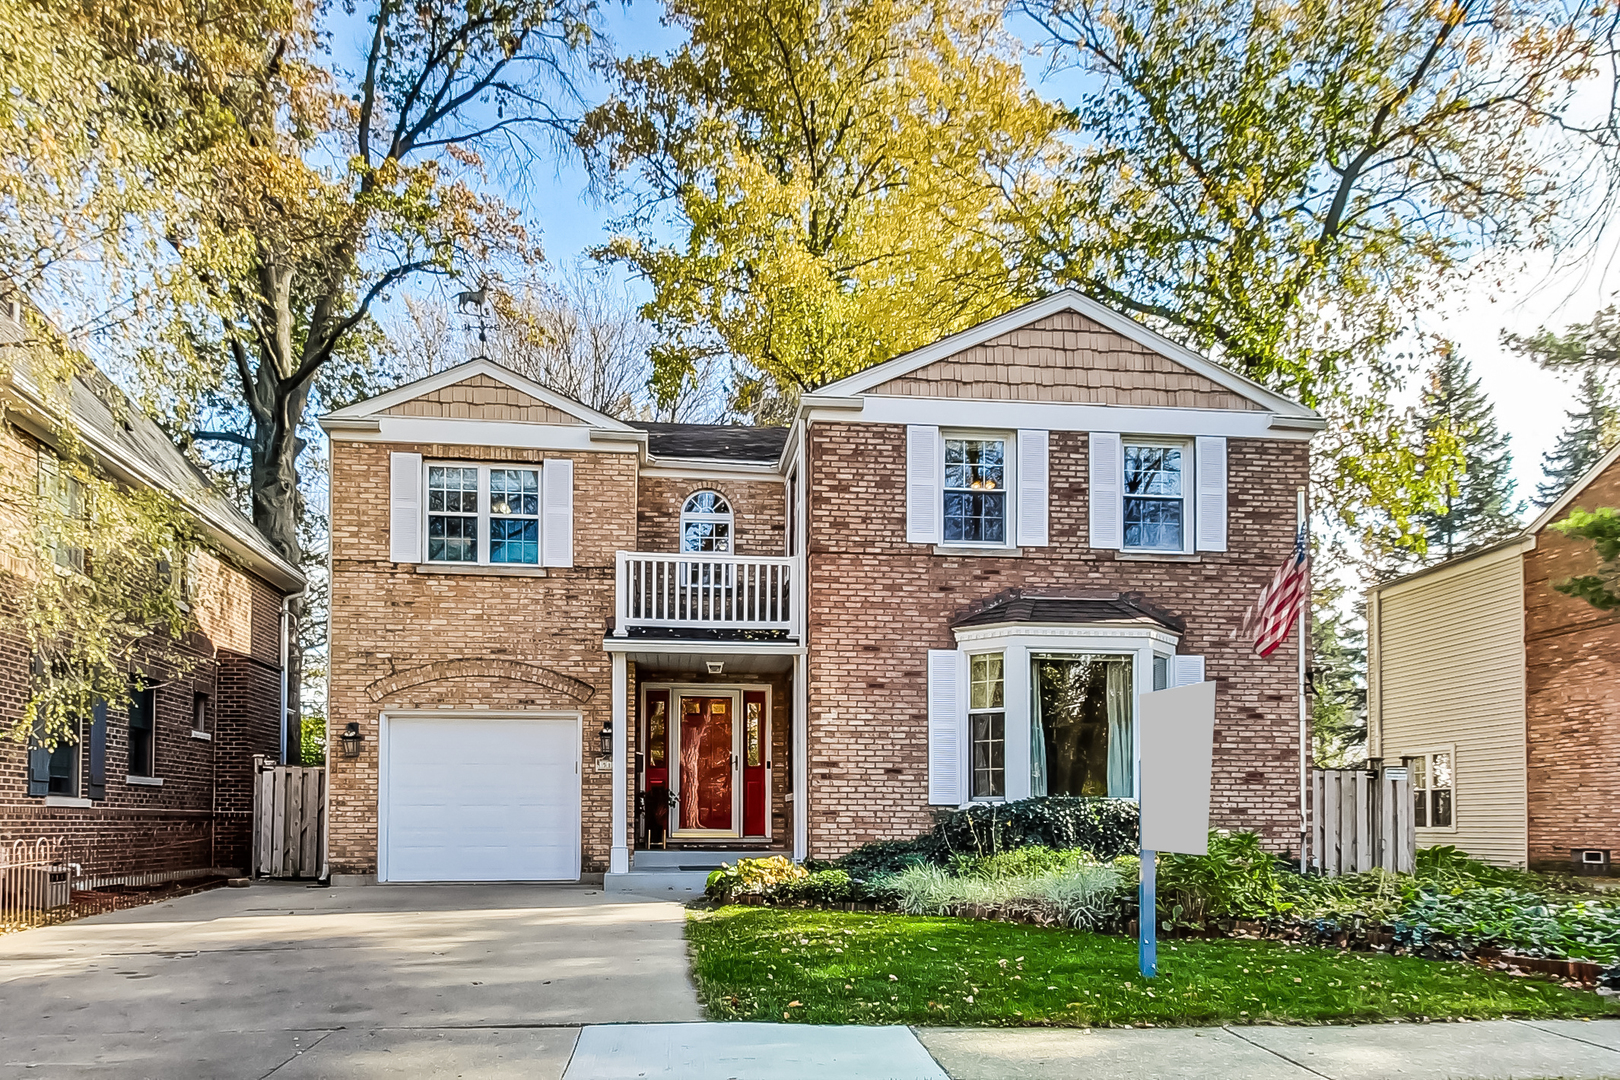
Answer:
(669, 884)
(687, 859)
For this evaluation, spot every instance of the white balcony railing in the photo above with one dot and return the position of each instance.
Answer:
(704, 592)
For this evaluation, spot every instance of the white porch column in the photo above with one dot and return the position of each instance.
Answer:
(619, 854)
(801, 762)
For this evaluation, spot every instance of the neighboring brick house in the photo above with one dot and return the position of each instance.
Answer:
(1503, 695)
(166, 788)
(575, 645)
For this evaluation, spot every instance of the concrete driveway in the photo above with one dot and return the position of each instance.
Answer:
(295, 982)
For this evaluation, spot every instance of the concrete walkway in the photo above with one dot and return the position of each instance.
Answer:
(1486, 1050)
(407, 980)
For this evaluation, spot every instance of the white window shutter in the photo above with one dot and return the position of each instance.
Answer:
(924, 493)
(557, 513)
(1186, 670)
(1209, 467)
(405, 507)
(1107, 504)
(1033, 499)
(945, 728)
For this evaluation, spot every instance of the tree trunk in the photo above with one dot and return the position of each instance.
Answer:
(278, 512)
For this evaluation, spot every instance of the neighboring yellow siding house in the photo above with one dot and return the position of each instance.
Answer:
(1446, 677)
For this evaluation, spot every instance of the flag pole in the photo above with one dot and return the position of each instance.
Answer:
(1304, 701)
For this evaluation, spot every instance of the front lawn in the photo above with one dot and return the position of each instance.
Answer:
(831, 967)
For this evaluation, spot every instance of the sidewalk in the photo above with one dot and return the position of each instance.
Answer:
(1487, 1050)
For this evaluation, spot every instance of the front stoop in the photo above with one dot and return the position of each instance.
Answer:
(675, 874)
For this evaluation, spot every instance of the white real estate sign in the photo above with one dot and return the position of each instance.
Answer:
(1177, 728)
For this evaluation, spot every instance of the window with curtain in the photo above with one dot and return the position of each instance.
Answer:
(1082, 738)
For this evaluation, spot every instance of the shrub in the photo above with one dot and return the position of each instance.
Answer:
(1104, 828)
(1018, 863)
(1236, 880)
(888, 857)
(1510, 919)
(822, 887)
(1081, 897)
(752, 876)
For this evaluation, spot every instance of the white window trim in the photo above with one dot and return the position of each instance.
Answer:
(1018, 642)
(966, 741)
(729, 519)
(1009, 485)
(484, 515)
(1189, 488)
(1429, 751)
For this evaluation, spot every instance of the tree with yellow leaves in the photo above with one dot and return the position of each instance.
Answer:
(840, 174)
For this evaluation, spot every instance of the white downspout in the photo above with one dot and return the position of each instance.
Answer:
(286, 625)
(1304, 699)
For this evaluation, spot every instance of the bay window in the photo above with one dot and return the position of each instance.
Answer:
(987, 726)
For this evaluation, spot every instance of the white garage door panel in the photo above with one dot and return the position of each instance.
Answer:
(482, 800)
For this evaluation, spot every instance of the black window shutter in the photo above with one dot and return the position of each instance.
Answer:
(39, 771)
(97, 787)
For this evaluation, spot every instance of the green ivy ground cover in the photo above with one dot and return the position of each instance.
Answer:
(831, 967)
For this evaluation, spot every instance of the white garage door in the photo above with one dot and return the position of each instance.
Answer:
(480, 799)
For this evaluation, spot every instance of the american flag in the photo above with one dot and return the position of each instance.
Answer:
(1272, 616)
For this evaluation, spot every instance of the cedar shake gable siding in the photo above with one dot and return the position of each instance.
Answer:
(1066, 358)
(1572, 700)
(878, 604)
(479, 397)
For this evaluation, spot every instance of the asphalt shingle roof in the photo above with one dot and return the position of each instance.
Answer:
(715, 442)
(1056, 610)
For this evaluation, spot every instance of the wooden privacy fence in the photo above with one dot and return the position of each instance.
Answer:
(1361, 819)
(289, 819)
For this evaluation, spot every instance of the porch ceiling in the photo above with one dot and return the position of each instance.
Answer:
(736, 663)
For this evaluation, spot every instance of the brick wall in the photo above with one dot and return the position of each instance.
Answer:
(403, 638)
(878, 604)
(1572, 697)
(198, 816)
(756, 506)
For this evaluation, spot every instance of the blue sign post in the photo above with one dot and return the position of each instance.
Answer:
(1147, 918)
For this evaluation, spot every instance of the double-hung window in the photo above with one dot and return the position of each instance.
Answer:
(452, 518)
(514, 516)
(1431, 789)
(1155, 507)
(483, 515)
(975, 491)
(987, 726)
(142, 731)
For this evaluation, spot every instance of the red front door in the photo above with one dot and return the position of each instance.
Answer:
(708, 765)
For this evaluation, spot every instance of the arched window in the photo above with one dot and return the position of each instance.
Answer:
(706, 523)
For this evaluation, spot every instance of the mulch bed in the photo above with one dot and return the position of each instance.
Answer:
(114, 898)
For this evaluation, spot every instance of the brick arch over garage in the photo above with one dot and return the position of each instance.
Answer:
(515, 670)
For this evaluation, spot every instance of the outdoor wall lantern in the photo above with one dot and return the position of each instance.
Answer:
(351, 739)
(605, 738)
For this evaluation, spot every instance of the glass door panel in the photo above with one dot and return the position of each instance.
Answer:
(707, 743)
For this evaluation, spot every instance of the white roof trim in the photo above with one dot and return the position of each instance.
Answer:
(1556, 510)
(1065, 300)
(369, 408)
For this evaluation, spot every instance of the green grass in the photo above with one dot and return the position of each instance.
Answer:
(840, 967)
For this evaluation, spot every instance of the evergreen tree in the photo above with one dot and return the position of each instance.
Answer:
(1479, 504)
(1594, 427)
(1338, 680)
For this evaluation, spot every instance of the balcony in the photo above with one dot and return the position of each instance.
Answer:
(661, 595)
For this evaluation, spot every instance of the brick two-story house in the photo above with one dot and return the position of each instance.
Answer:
(566, 644)
(164, 789)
